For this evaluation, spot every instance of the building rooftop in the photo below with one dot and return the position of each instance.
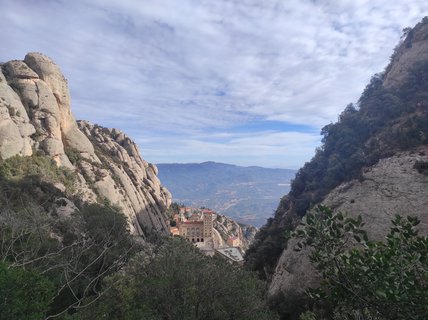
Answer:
(193, 222)
(232, 253)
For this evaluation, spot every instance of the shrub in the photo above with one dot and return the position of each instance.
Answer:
(73, 155)
(24, 294)
(370, 280)
(176, 281)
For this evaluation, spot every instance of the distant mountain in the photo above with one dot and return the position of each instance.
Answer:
(246, 194)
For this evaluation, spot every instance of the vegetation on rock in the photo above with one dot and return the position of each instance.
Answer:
(44, 235)
(363, 279)
(176, 281)
(66, 258)
(383, 122)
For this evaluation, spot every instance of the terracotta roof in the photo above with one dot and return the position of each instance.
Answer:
(193, 222)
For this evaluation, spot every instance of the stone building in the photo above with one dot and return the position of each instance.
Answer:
(208, 224)
(232, 255)
(233, 242)
(197, 229)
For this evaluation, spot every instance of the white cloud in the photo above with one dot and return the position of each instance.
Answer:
(168, 69)
(268, 148)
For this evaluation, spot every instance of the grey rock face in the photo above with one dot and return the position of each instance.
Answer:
(50, 73)
(392, 186)
(412, 50)
(17, 69)
(227, 227)
(35, 113)
(126, 179)
(15, 126)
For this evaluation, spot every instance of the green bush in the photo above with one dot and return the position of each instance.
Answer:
(24, 294)
(73, 155)
(371, 280)
(176, 281)
(17, 168)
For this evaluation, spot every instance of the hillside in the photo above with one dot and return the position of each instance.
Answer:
(246, 194)
(372, 163)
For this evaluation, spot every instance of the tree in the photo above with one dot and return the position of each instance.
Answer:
(176, 281)
(75, 253)
(365, 279)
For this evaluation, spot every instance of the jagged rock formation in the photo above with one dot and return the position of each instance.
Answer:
(372, 163)
(35, 116)
(225, 228)
(125, 178)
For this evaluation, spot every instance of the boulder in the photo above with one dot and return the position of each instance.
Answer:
(17, 69)
(11, 142)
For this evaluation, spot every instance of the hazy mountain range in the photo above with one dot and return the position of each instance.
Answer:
(246, 194)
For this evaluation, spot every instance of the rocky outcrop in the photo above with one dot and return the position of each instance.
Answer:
(227, 228)
(15, 126)
(35, 115)
(124, 178)
(392, 186)
(44, 96)
(412, 50)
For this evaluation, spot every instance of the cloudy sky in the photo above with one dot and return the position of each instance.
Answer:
(247, 82)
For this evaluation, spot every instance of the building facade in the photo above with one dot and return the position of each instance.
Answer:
(197, 229)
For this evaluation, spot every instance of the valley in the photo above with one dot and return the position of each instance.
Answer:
(246, 194)
(91, 228)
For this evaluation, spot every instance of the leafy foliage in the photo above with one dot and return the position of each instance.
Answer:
(365, 279)
(37, 167)
(86, 255)
(75, 251)
(24, 294)
(176, 281)
(269, 243)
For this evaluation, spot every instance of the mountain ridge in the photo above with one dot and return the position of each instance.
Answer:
(246, 194)
(217, 163)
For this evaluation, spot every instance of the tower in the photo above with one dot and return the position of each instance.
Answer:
(208, 224)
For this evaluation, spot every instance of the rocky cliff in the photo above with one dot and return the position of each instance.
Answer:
(35, 117)
(371, 164)
(393, 186)
(225, 228)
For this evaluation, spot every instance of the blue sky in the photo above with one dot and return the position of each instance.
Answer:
(247, 82)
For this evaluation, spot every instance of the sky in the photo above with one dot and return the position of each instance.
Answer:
(246, 82)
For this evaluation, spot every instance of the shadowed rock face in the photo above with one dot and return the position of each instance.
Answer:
(392, 186)
(126, 178)
(35, 115)
(227, 228)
